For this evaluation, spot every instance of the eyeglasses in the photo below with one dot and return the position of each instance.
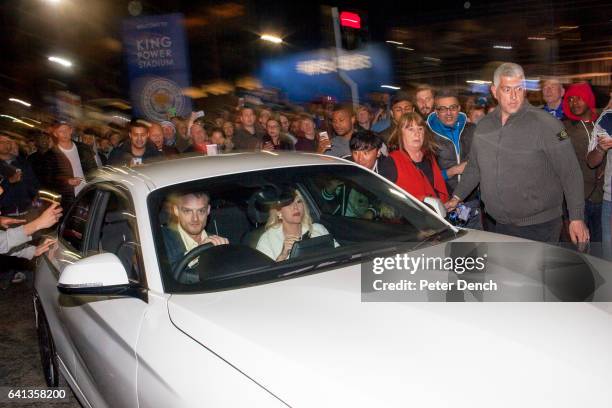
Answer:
(574, 99)
(509, 89)
(407, 109)
(444, 109)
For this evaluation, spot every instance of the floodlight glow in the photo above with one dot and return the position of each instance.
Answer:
(62, 61)
(272, 38)
(24, 103)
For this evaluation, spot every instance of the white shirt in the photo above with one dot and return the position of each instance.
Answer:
(75, 162)
(608, 172)
(271, 242)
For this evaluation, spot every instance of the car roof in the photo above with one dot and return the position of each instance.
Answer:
(169, 172)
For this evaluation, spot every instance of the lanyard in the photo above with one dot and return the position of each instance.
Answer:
(589, 134)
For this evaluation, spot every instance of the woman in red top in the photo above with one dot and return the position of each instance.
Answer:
(417, 169)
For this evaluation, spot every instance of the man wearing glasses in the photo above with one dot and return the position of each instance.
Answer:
(525, 164)
(454, 135)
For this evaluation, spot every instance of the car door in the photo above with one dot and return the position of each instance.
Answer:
(104, 329)
(71, 238)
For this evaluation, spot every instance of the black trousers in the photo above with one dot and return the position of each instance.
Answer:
(546, 232)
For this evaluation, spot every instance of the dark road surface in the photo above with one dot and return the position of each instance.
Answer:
(19, 358)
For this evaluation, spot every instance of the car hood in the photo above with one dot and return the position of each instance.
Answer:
(311, 341)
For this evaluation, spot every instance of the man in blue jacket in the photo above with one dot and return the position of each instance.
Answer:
(454, 135)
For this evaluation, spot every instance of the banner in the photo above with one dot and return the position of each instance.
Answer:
(158, 66)
(309, 75)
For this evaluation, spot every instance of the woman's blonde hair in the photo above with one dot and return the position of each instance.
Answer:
(413, 118)
(275, 221)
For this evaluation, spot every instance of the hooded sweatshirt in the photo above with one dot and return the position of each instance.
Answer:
(584, 91)
(580, 133)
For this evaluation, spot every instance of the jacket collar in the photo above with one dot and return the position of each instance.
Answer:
(150, 149)
(436, 125)
(524, 108)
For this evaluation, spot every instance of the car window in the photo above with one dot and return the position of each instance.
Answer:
(335, 211)
(117, 233)
(345, 197)
(75, 222)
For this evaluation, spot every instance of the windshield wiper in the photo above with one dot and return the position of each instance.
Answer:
(338, 260)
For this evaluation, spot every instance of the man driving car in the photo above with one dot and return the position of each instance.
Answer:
(191, 211)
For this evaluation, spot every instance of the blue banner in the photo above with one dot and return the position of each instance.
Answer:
(309, 75)
(158, 66)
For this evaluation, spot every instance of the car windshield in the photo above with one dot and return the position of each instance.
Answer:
(271, 224)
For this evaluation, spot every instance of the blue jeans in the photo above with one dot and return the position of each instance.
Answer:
(606, 229)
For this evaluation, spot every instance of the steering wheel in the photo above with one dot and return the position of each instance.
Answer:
(179, 269)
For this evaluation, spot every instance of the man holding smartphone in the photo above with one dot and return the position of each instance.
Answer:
(598, 150)
(343, 122)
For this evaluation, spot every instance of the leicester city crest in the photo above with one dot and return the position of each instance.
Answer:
(159, 97)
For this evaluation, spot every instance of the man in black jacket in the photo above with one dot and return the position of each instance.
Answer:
(401, 103)
(349, 201)
(136, 150)
(67, 165)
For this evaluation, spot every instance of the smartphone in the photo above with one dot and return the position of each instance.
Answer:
(323, 136)
(49, 197)
(43, 201)
(199, 114)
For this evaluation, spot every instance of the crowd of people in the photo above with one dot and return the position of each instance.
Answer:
(504, 164)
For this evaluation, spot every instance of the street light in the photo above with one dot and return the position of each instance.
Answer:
(24, 103)
(61, 61)
(272, 38)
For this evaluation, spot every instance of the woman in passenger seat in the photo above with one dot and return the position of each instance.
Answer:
(287, 225)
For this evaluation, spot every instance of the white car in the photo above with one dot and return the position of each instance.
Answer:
(230, 327)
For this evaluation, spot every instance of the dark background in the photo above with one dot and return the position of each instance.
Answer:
(452, 40)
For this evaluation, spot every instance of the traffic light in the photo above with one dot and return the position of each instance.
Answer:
(350, 20)
(353, 29)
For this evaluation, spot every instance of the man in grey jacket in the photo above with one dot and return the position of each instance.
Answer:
(525, 164)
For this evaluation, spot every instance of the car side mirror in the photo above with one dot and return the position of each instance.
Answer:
(101, 274)
(437, 205)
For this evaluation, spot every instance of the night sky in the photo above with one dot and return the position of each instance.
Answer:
(224, 44)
